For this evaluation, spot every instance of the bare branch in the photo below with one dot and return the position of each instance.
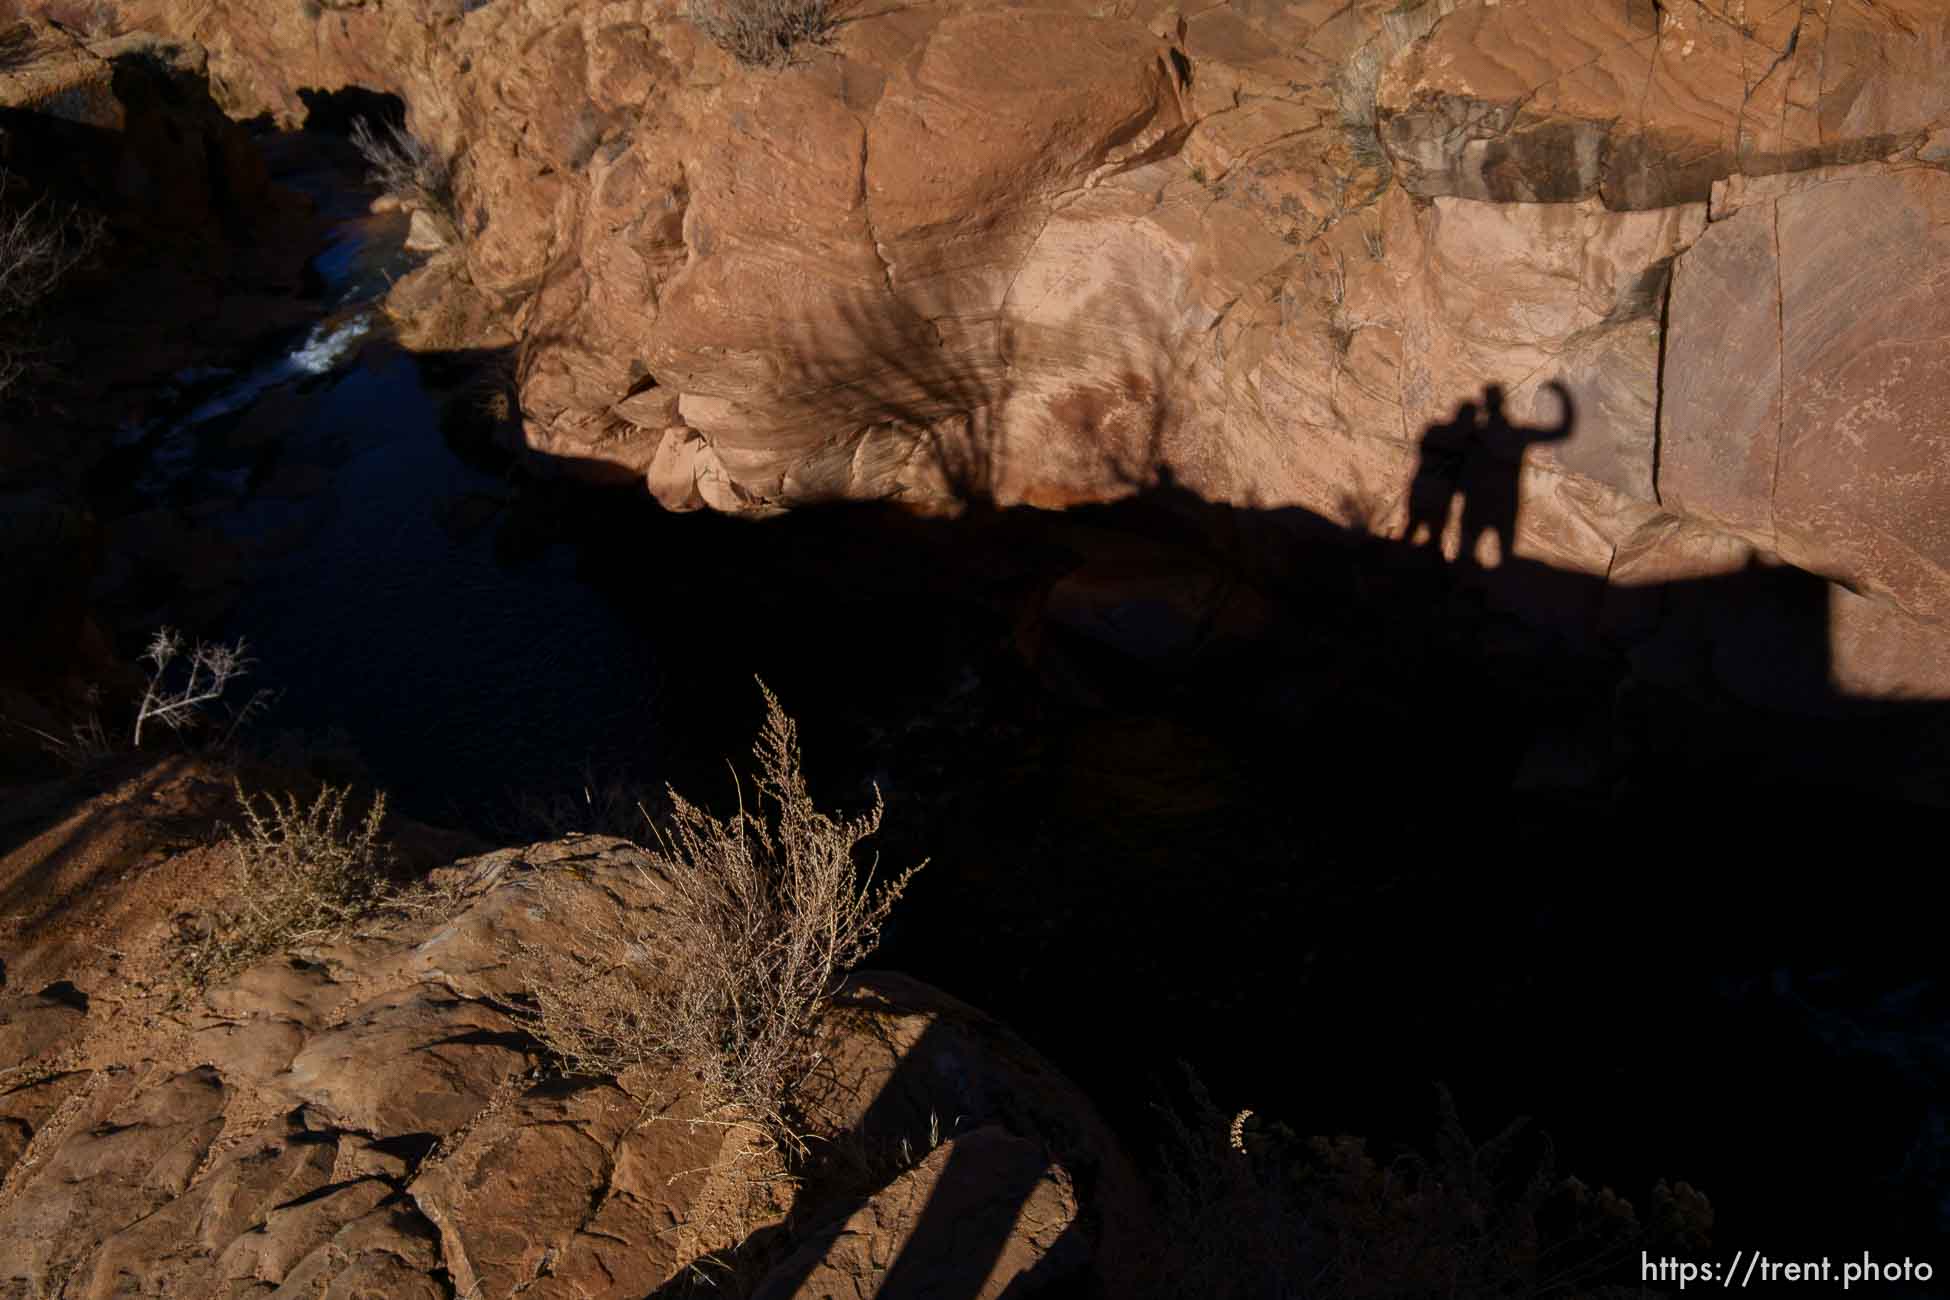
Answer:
(211, 669)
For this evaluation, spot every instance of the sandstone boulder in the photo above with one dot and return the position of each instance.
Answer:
(371, 1117)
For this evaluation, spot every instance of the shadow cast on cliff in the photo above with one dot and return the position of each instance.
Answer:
(1240, 776)
(1090, 711)
(951, 1244)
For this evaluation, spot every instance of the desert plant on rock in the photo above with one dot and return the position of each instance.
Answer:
(406, 167)
(299, 873)
(757, 918)
(763, 33)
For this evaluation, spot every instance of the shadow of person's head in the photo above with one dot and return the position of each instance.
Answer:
(1493, 397)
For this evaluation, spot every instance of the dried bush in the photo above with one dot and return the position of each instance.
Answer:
(757, 918)
(762, 33)
(1356, 92)
(598, 805)
(177, 700)
(40, 243)
(86, 742)
(299, 874)
(408, 168)
(1254, 1211)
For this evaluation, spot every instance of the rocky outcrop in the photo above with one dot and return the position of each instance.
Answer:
(371, 1117)
(1053, 255)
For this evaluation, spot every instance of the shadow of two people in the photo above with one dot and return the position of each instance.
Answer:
(1478, 456)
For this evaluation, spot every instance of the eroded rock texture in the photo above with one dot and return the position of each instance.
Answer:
(1052, 254)
(369, 1119)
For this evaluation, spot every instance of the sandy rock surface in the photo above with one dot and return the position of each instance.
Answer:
(371, 1116)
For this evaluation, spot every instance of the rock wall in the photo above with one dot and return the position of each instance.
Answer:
(1051, 255)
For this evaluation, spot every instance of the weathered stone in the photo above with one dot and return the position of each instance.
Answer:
(1649, 104)
(408, 1150)
(984, 1215)
(428, 1064)
(1052, 256)
(1804, 369)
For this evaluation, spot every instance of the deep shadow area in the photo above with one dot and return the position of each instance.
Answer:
(336, 112)
(1326, 816)
(1335, 821)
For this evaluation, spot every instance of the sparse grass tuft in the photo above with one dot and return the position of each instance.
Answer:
(757, 919)
(763, 33)
(86, 743)
(300, 873)
(1356, 93)
(597, 805)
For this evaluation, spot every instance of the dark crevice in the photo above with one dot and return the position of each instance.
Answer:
(329, 1189)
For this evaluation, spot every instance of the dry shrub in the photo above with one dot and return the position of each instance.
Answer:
(408, 168)
(40, 243)
(598, 805)
(1252, 1210)
(757, 918)
(299, 874)
(177, 699)
(762, 33)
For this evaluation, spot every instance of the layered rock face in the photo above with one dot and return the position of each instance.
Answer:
(369, 1119)
(1052, 255)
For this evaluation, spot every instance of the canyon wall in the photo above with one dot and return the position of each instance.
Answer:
(1060, 254)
